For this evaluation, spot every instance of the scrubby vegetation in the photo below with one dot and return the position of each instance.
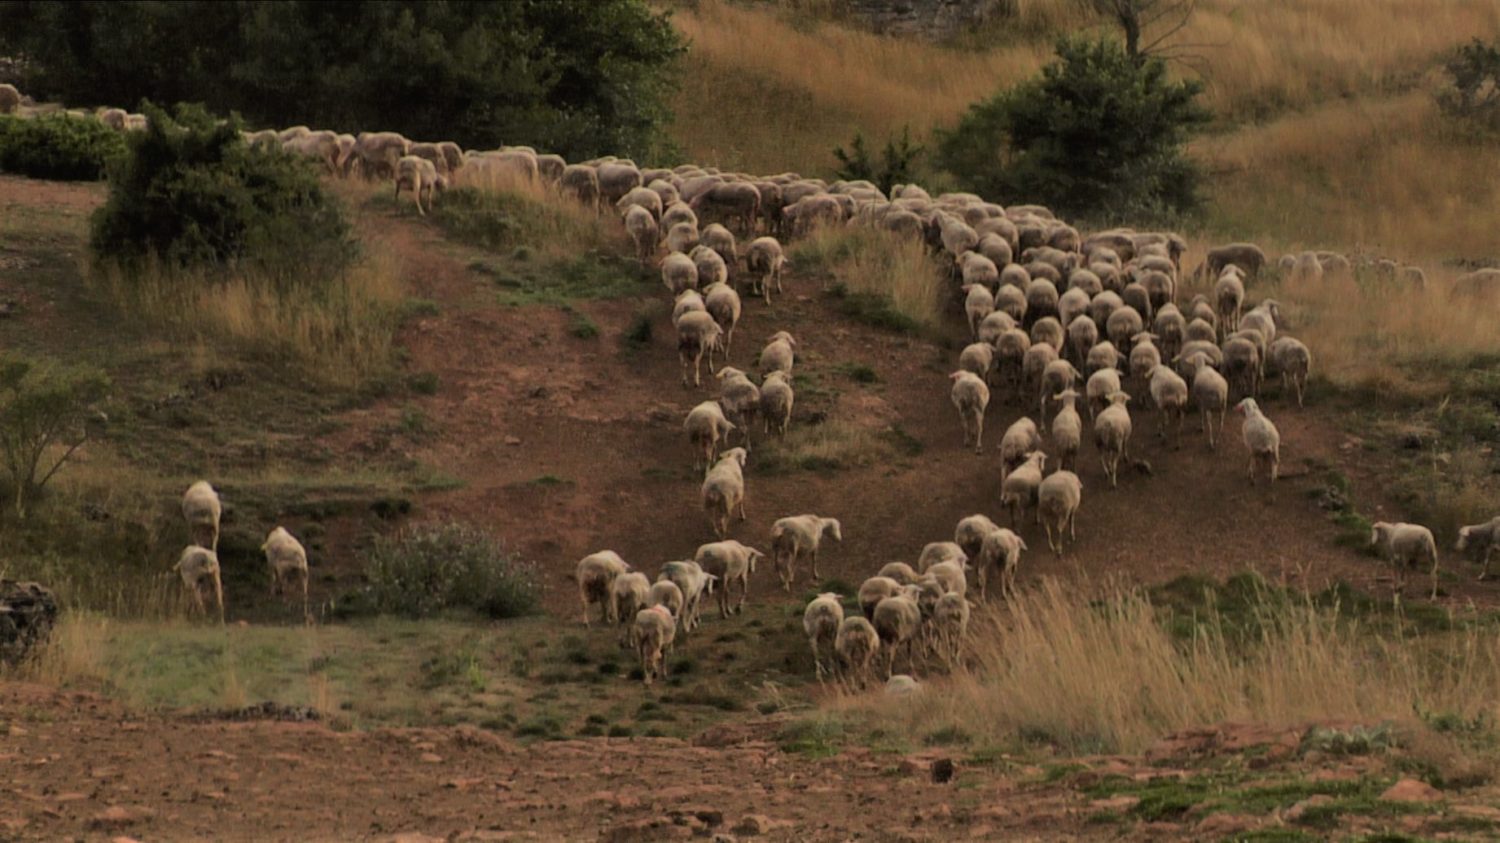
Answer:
(57, 147)
(427, 569)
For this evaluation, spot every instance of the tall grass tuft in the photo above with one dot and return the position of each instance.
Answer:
(894, 281)
(1107, 676)
(341, 331)
(501, 210)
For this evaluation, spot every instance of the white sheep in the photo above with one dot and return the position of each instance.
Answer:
(779, 354)
(731, 562)
(993, 325)
(1058, 375)
(694, 583)
(796, 535)
(711, 266)
(1067, 430)
(682, 237)
(685, 301)
(951, 575)
(950, 624)
(979, 302)
(420, 177)
(902, 685)
(679, 273)
(1170, 394)
(629, 593)
(698, 334)
(898, 571)
(643, 231)
(1001, 550)
(876, 589)
(1144, 355)
(1100, 386)
(1083, 335)
(669, 595)
(10, 98)
(765, 260)
(199, 567)
(970, 396)
(978, 358)
(970, 532)
(1261, 438)
(654, 630)
(936, 552)
(821, 621)
(776, 399)
(740, 398)
(379, 152)
(857, 645)
(1010, 358)
(202, 509)
(595, 575)
(1112, 430)
(1058, 500)
(1292, 359)
(1406, 545)
(1018, 489)
(723, 490)
(1020, 439)
(898, 624)
(1481, 541)
(723, 304)
(706, 427)
(287, 560)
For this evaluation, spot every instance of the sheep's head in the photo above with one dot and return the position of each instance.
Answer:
(1463, 538)
(736, 454)
(1378, 532)
(832, 529)
(1119, 397)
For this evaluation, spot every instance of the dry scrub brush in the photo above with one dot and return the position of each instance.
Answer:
(1108, 676)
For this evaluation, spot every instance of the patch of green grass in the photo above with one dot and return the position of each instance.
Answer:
(423, 383)
(583, 327)
(549, 481)
(873, 309)
(415, 308)
(540, 726)
(947, 736)
(859, 373)
(1057, 772)
(819, 736)
(832, 446)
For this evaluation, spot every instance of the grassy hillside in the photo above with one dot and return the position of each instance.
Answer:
(1326, 134)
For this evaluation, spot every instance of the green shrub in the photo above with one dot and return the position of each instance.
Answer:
(42, 404)
(58, 147)
(432, 567)
(1473, 94)
(898, 162)
(1098, 133)
(190, 193)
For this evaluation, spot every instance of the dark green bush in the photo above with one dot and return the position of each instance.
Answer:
(190, 193)
(1473, 94)
(58, 147)
(897, 165)
(1098, 135)
(429, 568)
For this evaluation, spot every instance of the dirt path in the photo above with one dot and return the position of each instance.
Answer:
(522, 400)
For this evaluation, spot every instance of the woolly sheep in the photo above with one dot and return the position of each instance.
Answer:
(287, 559)
(970, 396)
(1200, 330)
(878, 588)
(420, 177)
(678, 273)
(1261, 438)
(857, 644)
(1144, 355)
(1263, 317)
(1123, 323)
(1083, 335)
(798, 535)
(776, 399)
(642, 228)
(779, 353)
(1241, 364)
(1067, 430)
(1001, 550)
(934, 553)
(1246, 256)
(682, 237)
(1102, 305)
(1169, 392)
(1104, 355)
(979, 302)
(1011, 302)
(1059, 375)
(202, 509)
(1406, 545)
(1480, 541)
(641, 197)
(1292, 359)
(1058, 500)
(950, 623)
(1171, 328)
(1099, 387)
(687, 301)
(1034, 365)
(697, 334)
(1019, 441)
(1048, 330)
(740, 398)
(975, 268)
(1041, 299)
(1209, 350)
(977, 358)
(898, 624)
(732, 202)
(654, 630)
(902, 685)
(1159, 289)
(199, 568)
(706, 427)
(711, 266)
(379, 152)
(1018, 489)
(1229, 296)
(10, 98)
(821, 621)
(721, 240)
(669, 595)
(1137, 298)
(693, 582)
(900, 572)
(993, 326)
(1112, 436)
(970, 532)
(551, 167)
(595, 575)
(764, 260)
(1015, 276)
(730, 562)
(723, 490)
(582, 183)
(616, 179)
(678, 213)
(723, 304)
(1010, 357)
(629, 593)
(1210, 394)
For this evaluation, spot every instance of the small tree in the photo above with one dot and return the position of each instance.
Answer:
(1096, 135)
(44, 404)
(1474, 95)
(897, 164)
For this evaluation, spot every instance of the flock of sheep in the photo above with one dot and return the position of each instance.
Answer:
(1048, 310)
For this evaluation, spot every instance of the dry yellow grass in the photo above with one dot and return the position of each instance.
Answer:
(1107, 677)
(865, 260)
(341, 330)
(791, 88)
